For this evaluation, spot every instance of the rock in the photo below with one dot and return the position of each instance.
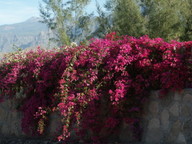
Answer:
(1, 111)
(5, 130)
(15, 115)
(153, 136)
(174, 109)
(54, 125)
(4, 104)
(154, 95)
(167, 100)
(165, 119)
(187, 98)
(13, 140)
(181, 139)
(125, 134)
(154, 124)
(186, 111)
(177, 96)
(3, 115)
(174, 132)
(176, 128)
(154, 108)
(15, 127)
(187, 130)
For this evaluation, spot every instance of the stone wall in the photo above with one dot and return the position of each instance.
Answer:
(10, 119)
(169, 119)
(10, 122)
(166, 120)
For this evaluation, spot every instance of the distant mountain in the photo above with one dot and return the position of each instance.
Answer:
(30, 33)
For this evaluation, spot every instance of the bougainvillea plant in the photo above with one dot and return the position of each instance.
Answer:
(94, 87)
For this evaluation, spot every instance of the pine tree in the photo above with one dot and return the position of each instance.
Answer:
(187, 35)
(128, 18)
(156, 18)
(65, 19)
(103, 20)
(166, 19)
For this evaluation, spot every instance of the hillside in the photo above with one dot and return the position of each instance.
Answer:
(30, 33)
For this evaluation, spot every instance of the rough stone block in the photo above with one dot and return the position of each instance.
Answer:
(187, 98)
(174, 109)
(187, 130)
(167, 100)
(165, 119)
(176, 127)
(6, 129)
(125, 134)
(154, 95)
(177, 96)
(186, 111)
(173, 134)
(154, 124)
(154, 108)
(54, 125)
(153, 136)
(181, 139)
(15, 128)
(4, 115)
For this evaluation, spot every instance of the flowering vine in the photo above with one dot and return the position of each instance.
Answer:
(94, 87)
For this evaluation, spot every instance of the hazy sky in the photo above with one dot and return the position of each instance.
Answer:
(14, 11)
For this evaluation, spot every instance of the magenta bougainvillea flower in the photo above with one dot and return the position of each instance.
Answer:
(94, 87)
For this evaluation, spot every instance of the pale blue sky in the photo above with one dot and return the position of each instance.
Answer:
(14, 11)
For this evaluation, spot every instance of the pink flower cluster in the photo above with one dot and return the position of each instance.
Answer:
(95, 87)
